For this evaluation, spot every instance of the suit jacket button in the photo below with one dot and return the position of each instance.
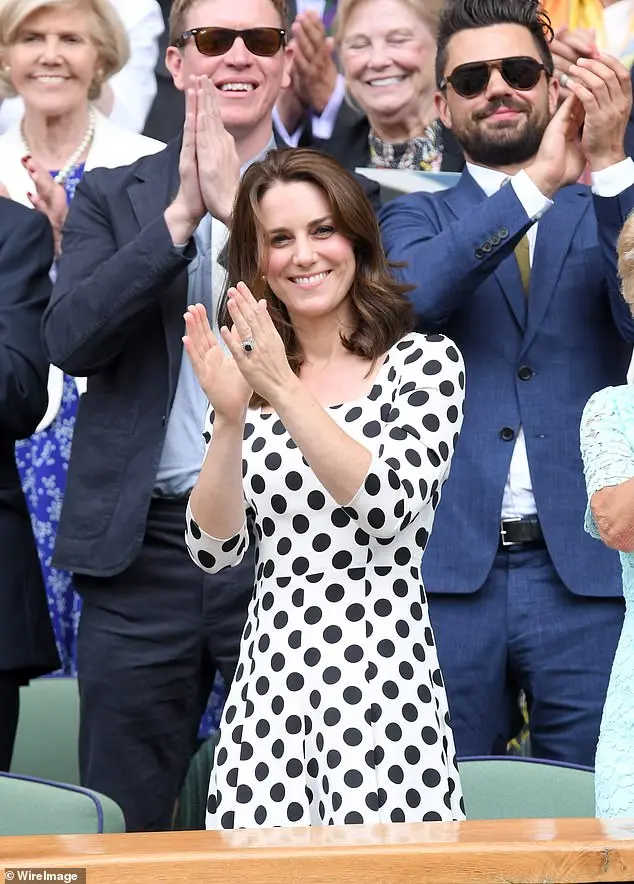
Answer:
(504, 232)
(479, 253)
(525, 373)
(495, 240)
(507, 434)
(487, 247)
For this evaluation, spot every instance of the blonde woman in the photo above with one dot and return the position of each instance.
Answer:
(57, 55)
(607, 446)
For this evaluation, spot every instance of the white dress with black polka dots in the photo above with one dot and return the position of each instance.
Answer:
(337, 713)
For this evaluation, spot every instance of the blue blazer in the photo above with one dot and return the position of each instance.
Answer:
(529, 362)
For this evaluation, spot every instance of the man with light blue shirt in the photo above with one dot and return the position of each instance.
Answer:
(141, 243)
(517, 264)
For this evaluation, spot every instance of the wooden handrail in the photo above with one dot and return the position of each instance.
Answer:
(517, 851)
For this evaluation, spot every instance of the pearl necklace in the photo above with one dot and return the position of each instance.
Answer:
(73, 160)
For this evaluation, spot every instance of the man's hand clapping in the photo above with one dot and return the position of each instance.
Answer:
(209, 166)
(314, 73)
(603, 86)
(589, 126)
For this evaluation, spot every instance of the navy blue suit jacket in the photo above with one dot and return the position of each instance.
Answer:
(27, 645)
(571, 333)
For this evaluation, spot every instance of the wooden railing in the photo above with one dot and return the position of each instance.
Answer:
(509, 851)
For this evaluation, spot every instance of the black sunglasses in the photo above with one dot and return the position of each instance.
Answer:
(520, 72)
(217, 41)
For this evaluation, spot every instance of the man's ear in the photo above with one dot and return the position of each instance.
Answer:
(442, 109)
(174, 64)
(288, 66)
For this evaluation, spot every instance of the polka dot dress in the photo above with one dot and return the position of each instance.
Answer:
(337, 713)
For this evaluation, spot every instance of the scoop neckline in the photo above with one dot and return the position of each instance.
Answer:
(349, 402)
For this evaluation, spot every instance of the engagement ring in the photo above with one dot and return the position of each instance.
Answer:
(248, 346)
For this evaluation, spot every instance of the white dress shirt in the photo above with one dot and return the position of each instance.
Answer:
(134, 87)
(518, 499)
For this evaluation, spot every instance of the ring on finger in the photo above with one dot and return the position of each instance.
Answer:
(248, 345)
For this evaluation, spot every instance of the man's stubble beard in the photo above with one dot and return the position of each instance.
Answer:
(504, 147)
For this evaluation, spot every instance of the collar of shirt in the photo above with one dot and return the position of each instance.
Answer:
(490, 180)
(260, 156)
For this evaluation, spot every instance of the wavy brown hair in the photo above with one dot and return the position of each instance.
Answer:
(381, 311)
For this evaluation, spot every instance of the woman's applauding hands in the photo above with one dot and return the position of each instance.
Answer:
(257, 361)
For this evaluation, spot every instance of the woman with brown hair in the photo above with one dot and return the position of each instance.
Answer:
(332, 426)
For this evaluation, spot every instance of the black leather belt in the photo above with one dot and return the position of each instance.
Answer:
(520, 533)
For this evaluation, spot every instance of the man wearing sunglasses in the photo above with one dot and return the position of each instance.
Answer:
(523, 278)
(140, 245)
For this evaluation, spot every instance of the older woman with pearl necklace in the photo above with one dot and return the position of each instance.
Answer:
(57, 55)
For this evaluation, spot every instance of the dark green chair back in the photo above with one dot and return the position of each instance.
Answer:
(192, 802)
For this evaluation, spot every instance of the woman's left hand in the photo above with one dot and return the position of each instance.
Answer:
(49, 198)
(265, 367)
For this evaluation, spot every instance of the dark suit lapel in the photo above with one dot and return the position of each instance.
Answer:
(461, 200)
(156, 185)
(155, 188)
(555, 234)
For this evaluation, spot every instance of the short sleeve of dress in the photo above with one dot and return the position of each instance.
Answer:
(606, 449)
(418, 437)
(210, 553)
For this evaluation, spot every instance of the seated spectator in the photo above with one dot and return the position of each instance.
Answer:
(387, 50)
(27, 647)
(128, 96)
(57, 57)
(607, 446)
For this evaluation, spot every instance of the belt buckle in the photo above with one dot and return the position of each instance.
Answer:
(503, 540)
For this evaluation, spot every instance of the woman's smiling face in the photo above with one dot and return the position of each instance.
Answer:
(311, 265)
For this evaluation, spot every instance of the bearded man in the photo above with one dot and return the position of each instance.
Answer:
(523, 278)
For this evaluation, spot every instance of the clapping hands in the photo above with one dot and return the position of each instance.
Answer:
(229, 380)
(48, 197)
(209, 166)
(589, 126)
(313, 70)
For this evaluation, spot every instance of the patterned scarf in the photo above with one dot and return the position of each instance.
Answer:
(422, 153)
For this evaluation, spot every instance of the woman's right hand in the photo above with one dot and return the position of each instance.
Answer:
(49, 198)
(217, 373)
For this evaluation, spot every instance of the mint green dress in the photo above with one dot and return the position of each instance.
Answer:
(607, 448)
